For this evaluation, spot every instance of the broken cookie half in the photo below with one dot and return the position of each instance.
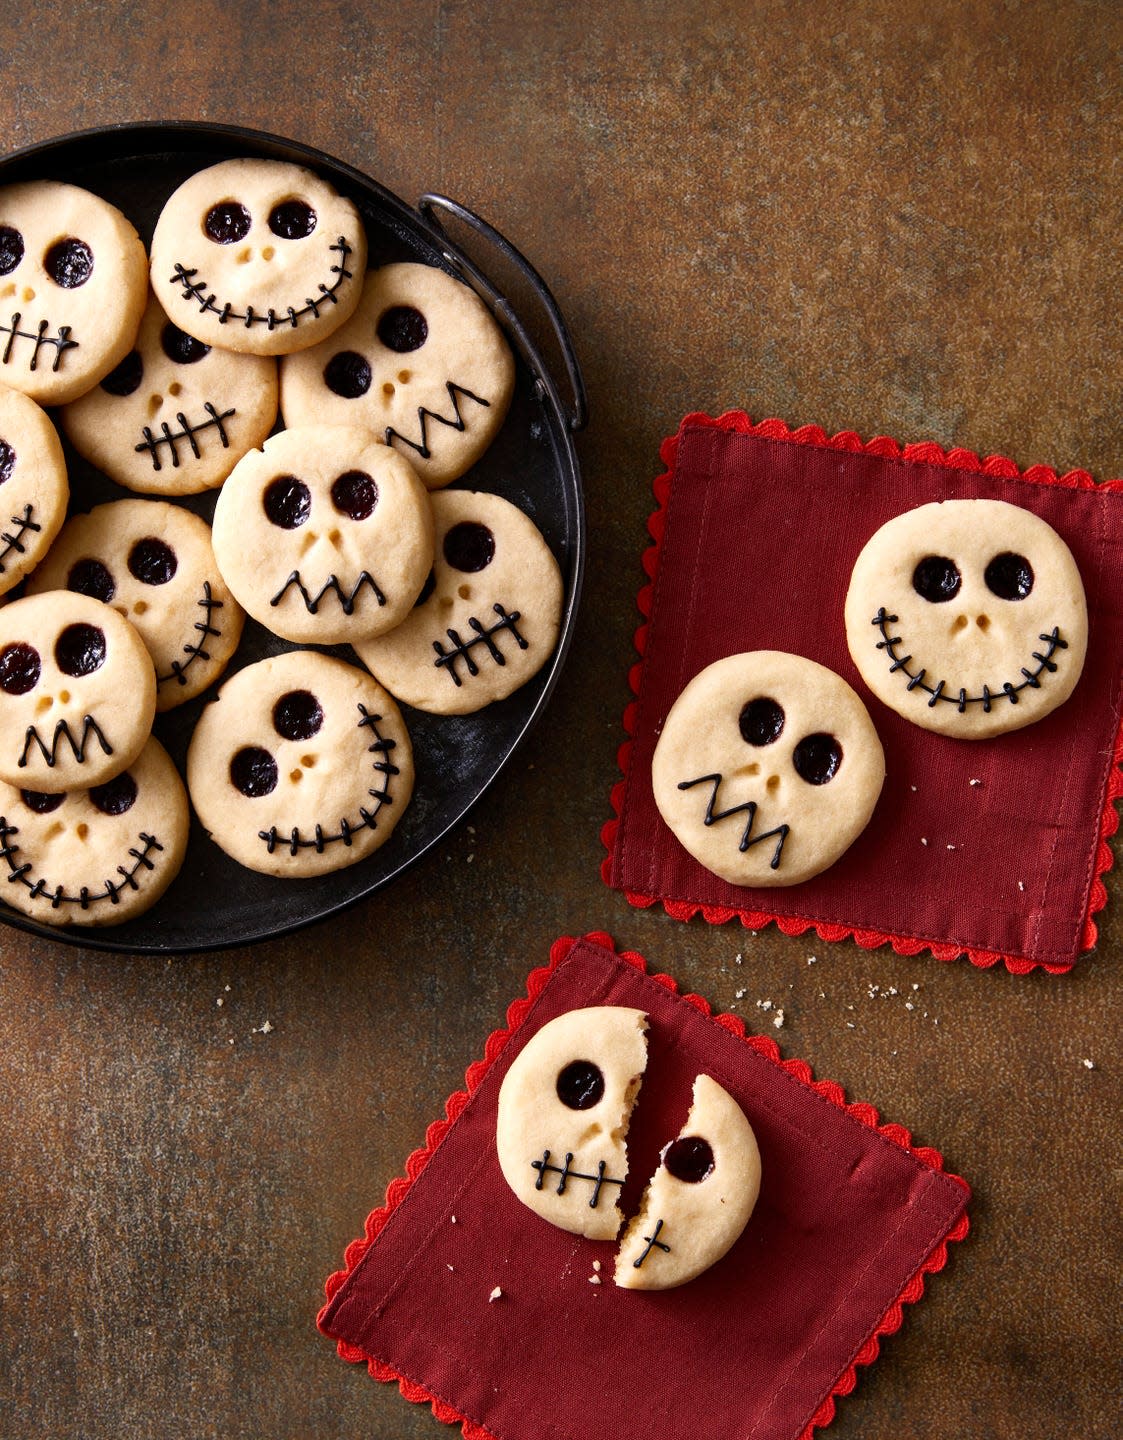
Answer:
(563, 1114)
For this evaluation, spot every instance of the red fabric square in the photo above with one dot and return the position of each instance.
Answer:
(991, 848)
(849, 1221)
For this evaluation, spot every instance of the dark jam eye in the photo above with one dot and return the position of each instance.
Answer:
(292, 220)
(1009, 576)
(152, 562)
(287, 502)
(347, 375)
(91, 577)
(761, 721)
(80, 650)
(115, 796)
(580, 1085)
(426, 589)
(936, 579)
(816, 758)
(690, 1159)
(126, 377)
(403, 328)
(227, 223)
(297, 715)
(7, 461)
(253, 771)
(69, 263)
(11, 249)
(469, 547)
(19, 668)
(354, 493)
(39, 802)
(181, 349)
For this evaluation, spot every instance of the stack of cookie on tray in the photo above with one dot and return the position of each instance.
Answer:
(168, 373)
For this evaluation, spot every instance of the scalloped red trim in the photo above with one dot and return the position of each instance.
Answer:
(926, 452)
(398, 1188)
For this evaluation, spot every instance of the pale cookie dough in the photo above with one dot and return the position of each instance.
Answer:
(73, 282)
(98, 856)
(968, 617)
(767, 768)
(175, 416)
(698, 1201)
(77, 692)
(34, 491)
(325, 535)
(563, 1114)
(301, 766)
(258, 255)
(152, 562)
(422, 363)
(488, 618)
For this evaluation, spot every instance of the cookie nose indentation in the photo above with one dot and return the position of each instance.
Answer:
(140, 607)
(334, 538)
(64, 697)
(295, 775)
(388, 390)
(154, 403)
(751, 769)
(82, 831)
(404, 377)
(244, 256)
(57, 828)
(28, 294)
(961, 622)
(268, 252)
(174, 388)
(44, 703)
(465, 592)
(772, 784)
(983, 622)
(308, 761)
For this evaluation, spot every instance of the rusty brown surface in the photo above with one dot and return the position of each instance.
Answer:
(898, 216)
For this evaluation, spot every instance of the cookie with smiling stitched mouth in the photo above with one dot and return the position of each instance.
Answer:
(968, 617)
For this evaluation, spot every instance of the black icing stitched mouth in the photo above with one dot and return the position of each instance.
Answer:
(462, 649)
(64, 732)
(749, 808)
(383, 766)
(187, 431)
(346, 601)
(424, 415)
(194, 648)
(1009, 690)
(195, 290)
(111, 891)
(23, 524)
(652, 1241)
(60, 342)
(565, 1174)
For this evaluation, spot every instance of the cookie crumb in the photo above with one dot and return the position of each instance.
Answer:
(951, 847)
(1088, 1064)
(219, 1000)
(452, 1219)
(738, 994)
(449, 1268)
(850, 1025)
(923, 840)
(1021, 884)
(594, 1279)
(596, 1266)
(974, 782)
(909, 1005)
(913, 789)
(469, 859)
(496, 1294)
(737, 959)
(764, 1004)
(916, 985)
(811, 959)
(265, 1028)
(778, 1019)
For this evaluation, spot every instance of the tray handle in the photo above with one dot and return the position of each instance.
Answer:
(433, 208)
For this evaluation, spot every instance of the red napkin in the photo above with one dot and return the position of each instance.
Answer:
(851, 1218)
(756, 533)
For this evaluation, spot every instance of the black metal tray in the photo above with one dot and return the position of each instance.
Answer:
(215, 903)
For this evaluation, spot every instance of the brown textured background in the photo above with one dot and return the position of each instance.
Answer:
(899, 216)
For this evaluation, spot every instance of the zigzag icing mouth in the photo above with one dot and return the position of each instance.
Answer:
(461, 649)
(424, 415)
(185, 435)
(748, 808)
(940, 691)
(20, 874)
(384, 768)
(347, 600)
(64, 732)
(199, 292)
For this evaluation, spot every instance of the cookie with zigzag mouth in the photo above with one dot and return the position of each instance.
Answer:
(968, 617)
(259, 256)
(421, 363)
(98, 856)
(302, 765)
(152, 562)
(325, 535)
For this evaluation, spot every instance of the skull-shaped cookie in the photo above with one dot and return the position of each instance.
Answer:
(700, 1198)
(325, 535)
(77, 692)
(175, 416)
(33, 486)
(767, 768)
(487, 620)
(153, 563)
(73, 280)
(301, 766)
(968, 617)
(563, 1113)
(98, 856)
(421, 362)
(258, 255)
